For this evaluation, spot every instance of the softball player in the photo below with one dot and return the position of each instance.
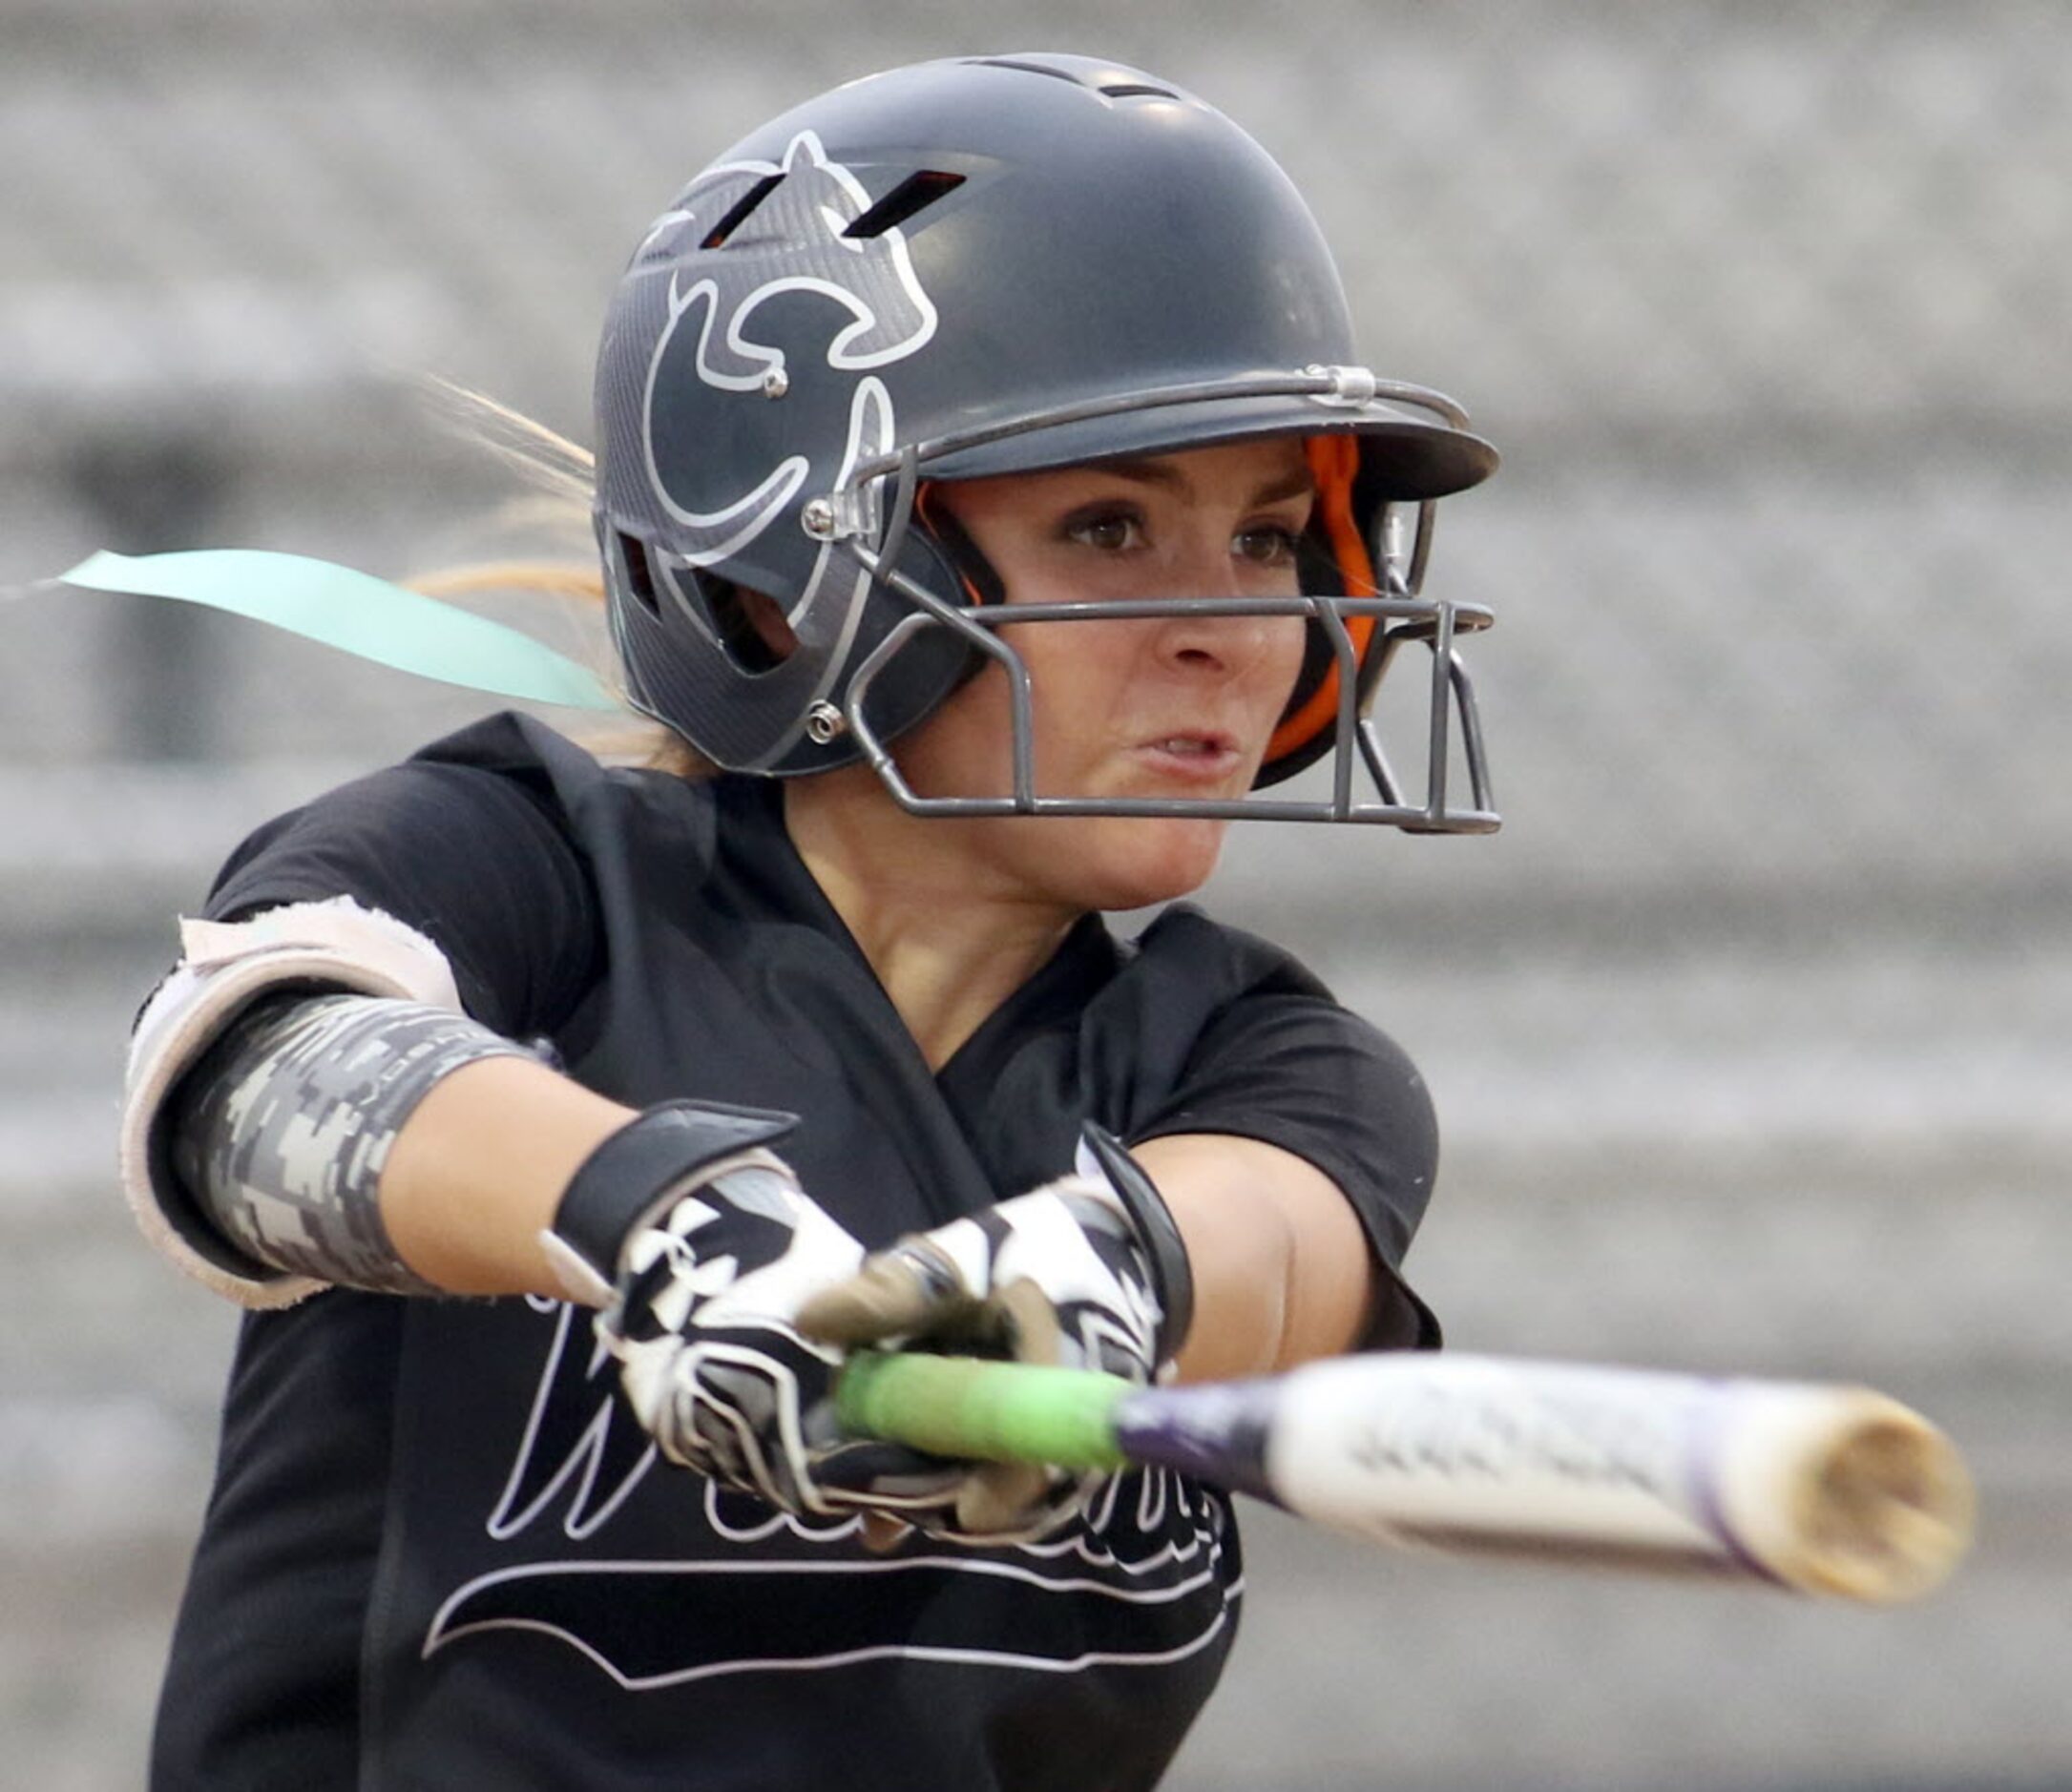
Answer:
(560, 1122)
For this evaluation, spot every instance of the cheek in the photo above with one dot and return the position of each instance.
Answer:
(1280, 664)
(1289, 646)
(1077, 674)
(965, 748)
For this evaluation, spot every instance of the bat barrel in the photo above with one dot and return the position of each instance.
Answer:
(1824, 1489)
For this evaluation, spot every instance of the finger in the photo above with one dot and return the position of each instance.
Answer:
(882, 1533)
(910, 1288)
(1002, 1499)
(889, 1472)
(1031, 1329)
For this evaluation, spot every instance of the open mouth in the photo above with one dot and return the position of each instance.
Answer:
(1193, 755)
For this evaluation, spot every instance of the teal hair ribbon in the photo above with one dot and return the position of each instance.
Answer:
(357, 614)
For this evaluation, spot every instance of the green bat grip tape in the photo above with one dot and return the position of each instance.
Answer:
(991, 1411)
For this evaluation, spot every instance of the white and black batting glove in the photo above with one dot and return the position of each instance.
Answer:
(1086, 1272)
(698, 1244)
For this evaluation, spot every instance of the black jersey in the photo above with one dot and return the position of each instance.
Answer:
(439, 1551)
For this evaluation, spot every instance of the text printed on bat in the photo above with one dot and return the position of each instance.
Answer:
(1436, 1433)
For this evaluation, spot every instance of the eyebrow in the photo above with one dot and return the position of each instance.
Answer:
(1170, 478)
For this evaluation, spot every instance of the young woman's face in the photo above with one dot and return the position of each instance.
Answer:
(1169, 706)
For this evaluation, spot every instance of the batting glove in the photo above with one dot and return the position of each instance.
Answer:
(698, 1244)
(1086, 1272)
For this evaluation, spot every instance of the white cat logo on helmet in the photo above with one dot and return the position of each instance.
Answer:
(821, 216)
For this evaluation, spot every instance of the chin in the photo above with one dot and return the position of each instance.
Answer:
(1131, 861)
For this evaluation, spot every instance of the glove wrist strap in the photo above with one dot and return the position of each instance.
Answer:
(1172, 1278)
(627, 1177)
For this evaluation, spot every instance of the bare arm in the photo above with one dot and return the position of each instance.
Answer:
(476, 1171)
(1282, 1269)
(1280, 1266)
(459, 1179)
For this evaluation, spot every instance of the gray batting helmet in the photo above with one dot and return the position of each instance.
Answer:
(981, 267)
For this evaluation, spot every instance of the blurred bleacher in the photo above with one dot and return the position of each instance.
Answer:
(1749, 1031)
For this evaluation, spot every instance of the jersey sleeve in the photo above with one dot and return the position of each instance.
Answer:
(465, 846)
(1285, 1063)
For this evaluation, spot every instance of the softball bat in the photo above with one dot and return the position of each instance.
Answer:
(1823, 1490)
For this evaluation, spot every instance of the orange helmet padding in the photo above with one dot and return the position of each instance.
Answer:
(953, 541)
(1334, 461)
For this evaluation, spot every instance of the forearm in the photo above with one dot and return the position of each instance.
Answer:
(1282, 1268)
(380, 1144)
(478, 1169)
(385, 1145)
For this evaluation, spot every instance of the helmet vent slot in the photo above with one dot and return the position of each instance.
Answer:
(739, 212)
(633, 551)
(919, 190)
(750, 629)
(1027, 68)
(1114, 89)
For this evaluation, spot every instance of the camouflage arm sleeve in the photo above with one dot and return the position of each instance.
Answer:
(280, 1132)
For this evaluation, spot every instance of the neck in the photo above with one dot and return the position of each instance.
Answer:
(947, 943)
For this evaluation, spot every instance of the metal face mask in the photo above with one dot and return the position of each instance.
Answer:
(989, 266)
(1356, 630)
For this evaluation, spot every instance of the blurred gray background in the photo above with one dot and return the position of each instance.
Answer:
(1747, 1032)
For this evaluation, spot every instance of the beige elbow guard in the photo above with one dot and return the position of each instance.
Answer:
(224, 966)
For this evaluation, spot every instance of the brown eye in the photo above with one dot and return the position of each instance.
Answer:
(1267, 545)
(1108, 531)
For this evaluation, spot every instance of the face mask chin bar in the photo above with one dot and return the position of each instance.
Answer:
(1356, 740)
(1402, 615)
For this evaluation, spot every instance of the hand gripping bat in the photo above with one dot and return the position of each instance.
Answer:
(1834, 1491)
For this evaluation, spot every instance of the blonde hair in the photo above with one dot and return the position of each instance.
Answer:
(563, 477)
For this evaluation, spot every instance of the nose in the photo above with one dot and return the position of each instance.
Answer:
(1222, 646)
